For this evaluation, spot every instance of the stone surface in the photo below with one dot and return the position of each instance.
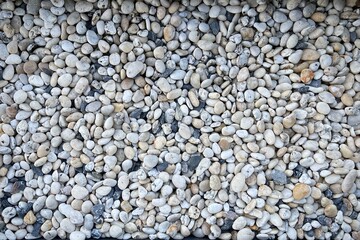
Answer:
(169, 119)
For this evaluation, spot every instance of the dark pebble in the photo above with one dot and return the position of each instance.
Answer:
(354, 215)
(227, 226)
(343, 208)
(135, 167)
(106, 78)
(136, 113)
(24, 210)
(2, 225)
(48, 89)
(37, 225)
(298, 171)
(117, 194)
(194, 162)
(187, 86)
(328, 193)
(95, 233)
(323, 220)
(174, 126)
(152, 36)
(304, 89)
(159, 43)
(18, 186)
(196, 133)
(337, 201)
(4, 201)
(279, 177)
(83, 106)
(310, 233)
(353, 37)
(167, 72)
(301, 45)
(222, 161)
(214, 26)
(357, 193)
(307, 220)
(78, 136)
(97, 210)
(201, 106)
(162, 119)
(162, 166)
(91, 93)
(36, 170)
(229, 16)
(111, 193)
(315, 83)
(143, 115)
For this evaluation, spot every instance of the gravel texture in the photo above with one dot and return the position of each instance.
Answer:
(218, 119)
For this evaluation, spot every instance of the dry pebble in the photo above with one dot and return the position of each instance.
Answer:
(175, 119)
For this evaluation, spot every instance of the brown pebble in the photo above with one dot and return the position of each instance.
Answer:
(318, 17)
(306, 75)
(30, 67)
(11, 111)
(224, 144)
(20, 68)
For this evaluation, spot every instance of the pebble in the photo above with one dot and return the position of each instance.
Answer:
(30, 67)
(348, 181)
(79, 192)
(279, 177)
(238, 182)
(134, 68)
(301, 191)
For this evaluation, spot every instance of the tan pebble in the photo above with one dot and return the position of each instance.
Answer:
(306, 75)
(301, 191)
(3, 171)
(310, 55)
(118, 107)
(125, 205)
(347, 100)
(30, 218)
(318, 17)
(300, 67)
(198, 123)
(169, 33)
(330, 210)
(219, 108)
(316, 193)
(289, 121)
(215, 183)
(346, 151)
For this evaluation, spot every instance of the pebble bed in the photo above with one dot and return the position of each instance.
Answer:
(222, 119)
